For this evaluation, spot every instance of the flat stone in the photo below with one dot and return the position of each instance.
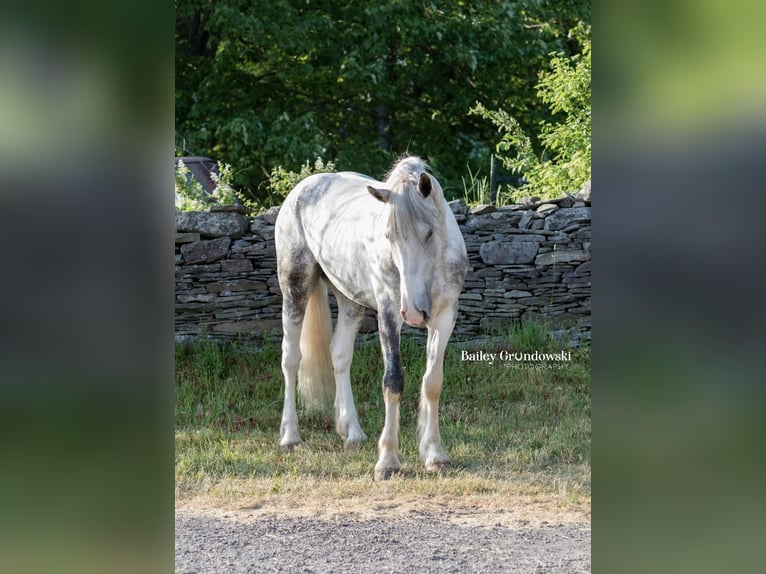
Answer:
(487, 272)
(236, 312)
(565, 201)
(201, 297)
(546, 208)
(187, 237)
(557, 238)
(457, 207)
(582, 233)
(482, 209)
(528, 201)
(270, 215)
(584, 193)
(236, 265)
(519, 250)
(562, 257)
(205, 251)
(516, 294)
(199, 269)
(471, 296)
(251, 326)
(236, 285)
(225, 300)
(486, 223)
(503, 219)
(583, 269)
(216, 224)
(565, 217)
(229, 208)
(260, 227)
(526, 218)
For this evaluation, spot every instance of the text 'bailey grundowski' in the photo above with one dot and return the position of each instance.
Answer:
(515, 356)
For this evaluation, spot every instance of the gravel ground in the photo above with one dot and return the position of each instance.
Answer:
(207, 544)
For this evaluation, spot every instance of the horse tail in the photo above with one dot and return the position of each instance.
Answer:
(316, 377)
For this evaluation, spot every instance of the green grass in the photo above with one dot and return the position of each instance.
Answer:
(508, 428)
(477, 190)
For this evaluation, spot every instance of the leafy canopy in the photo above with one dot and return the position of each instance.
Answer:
(565, 161)
(261, 84)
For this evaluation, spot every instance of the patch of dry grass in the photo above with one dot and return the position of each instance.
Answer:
(460, 499)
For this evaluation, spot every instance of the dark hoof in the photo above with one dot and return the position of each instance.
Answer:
(289, 447)
(439, 467)
(386, 473)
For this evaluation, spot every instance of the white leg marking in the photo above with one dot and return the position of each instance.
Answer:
(291, 357)
(346, 419)
(431, 452)
(388, 445)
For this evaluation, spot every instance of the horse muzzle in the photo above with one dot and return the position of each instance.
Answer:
(416, 311)
(414, 317)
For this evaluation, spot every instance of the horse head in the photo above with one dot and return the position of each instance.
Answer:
(415, 234)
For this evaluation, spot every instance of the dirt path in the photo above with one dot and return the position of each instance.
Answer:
(239, 542)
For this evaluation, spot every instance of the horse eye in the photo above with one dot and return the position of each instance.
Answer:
(430, 233)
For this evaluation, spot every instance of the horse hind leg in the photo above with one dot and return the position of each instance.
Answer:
(296, 282)
(291, 358)
(350, 316)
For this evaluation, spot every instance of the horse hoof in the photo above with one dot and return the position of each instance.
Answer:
(386, 473)
(290, 447)
(439, 467)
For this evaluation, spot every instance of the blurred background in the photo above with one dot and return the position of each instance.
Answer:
(678, 386)
(86, 347)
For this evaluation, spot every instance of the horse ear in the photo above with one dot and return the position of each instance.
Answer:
(424, 184)
(380, 194)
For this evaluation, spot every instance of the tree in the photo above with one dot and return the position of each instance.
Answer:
(564, 163)
(264, 84)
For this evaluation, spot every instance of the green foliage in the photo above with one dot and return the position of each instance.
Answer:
(191, 196)
(476, 189)
(358, 82)
(282, 181)
(564, 164)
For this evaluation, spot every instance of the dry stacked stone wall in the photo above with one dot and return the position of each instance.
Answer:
(529, 260)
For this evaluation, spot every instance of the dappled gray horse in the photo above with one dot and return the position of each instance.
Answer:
(393, 246)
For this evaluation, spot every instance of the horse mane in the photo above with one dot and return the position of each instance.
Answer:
(407, 204)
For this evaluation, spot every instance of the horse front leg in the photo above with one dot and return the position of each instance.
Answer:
(389, 325)
(431, 452)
